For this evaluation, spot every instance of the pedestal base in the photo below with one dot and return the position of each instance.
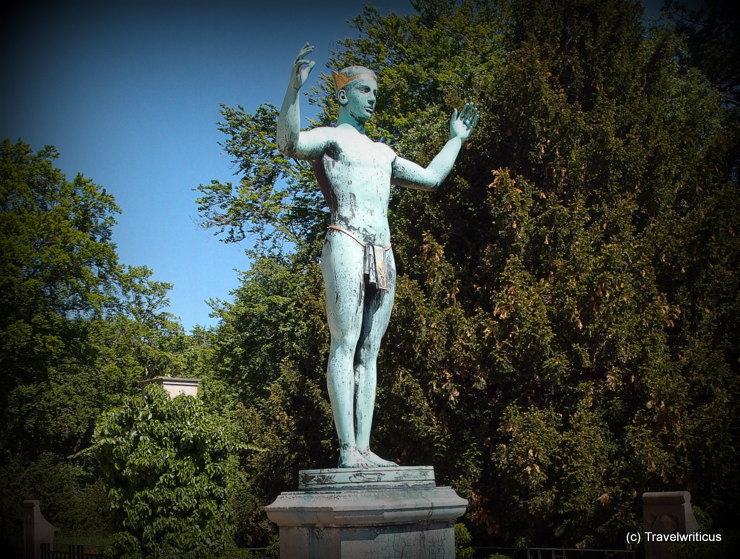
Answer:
(375, 513)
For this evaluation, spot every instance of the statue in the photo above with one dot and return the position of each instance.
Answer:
(355, 175)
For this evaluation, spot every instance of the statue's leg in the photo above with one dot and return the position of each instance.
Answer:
(377, 312)
(341, 263)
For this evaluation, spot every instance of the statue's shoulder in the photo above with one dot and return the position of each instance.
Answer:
(386, 147)
(327, 131)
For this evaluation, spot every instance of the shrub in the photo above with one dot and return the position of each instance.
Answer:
(166, 463)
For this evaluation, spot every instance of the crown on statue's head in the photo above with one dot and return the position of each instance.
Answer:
(341, 80)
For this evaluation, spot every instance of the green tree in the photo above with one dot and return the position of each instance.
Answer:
(77, 327)
(268, 349)
(275, 205)
(566, 313)
(166, 462)
(77, 330)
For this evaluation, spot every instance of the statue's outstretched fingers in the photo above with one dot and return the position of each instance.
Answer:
(306, 49)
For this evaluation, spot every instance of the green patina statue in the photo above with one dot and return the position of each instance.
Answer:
(355, 175)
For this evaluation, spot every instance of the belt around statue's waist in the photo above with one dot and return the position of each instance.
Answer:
(356, 238)
(373, 261)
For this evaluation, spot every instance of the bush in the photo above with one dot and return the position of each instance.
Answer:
(166, 463)
(462, 542)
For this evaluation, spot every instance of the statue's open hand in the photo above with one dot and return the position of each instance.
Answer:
(462, 125)
(302, 67)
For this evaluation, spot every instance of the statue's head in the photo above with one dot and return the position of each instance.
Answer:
(356, 88)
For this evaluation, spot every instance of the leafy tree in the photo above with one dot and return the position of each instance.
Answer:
(566, 313)
(77, 331)
(276, 203)
(267, 349)
(166, 462)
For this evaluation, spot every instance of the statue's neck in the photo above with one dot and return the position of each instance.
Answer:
(346, 118)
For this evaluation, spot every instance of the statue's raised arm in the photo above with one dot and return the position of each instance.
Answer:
(302, 67)
(291, 141)
(409, 174)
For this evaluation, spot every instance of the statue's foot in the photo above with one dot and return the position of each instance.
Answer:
(352, 458)
(375, 460)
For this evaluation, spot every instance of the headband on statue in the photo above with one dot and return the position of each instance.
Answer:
(340, 80)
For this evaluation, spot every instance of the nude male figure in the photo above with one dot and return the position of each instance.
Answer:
(355, 175)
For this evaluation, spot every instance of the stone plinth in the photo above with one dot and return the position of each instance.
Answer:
(374, 513)
(175, 385)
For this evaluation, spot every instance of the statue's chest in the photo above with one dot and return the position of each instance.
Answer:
(356, 152)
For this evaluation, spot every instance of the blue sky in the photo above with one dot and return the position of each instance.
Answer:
(129, 93)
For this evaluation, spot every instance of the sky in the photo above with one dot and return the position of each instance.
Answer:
(129, 92)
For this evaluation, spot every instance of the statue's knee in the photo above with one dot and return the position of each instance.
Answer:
(344, 345)
(369, 351)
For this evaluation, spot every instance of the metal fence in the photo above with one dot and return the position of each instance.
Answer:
(74, 551)
(554, 553)
(77, 551)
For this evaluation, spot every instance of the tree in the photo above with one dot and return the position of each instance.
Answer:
(166, 463)
(56, 259)
(267, 350)
(563, 335)
(77, 330)
(275, 203)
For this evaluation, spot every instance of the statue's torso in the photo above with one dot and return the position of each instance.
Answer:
(355, 177)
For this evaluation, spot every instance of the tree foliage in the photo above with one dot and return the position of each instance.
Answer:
(266, 349)
(166, 463)
(564, 331)
(275, 204)
(78, 329)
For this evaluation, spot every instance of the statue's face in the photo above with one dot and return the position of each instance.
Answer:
(358, 97)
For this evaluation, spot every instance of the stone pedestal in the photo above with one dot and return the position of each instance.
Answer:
(175, 385)
(374, 513)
